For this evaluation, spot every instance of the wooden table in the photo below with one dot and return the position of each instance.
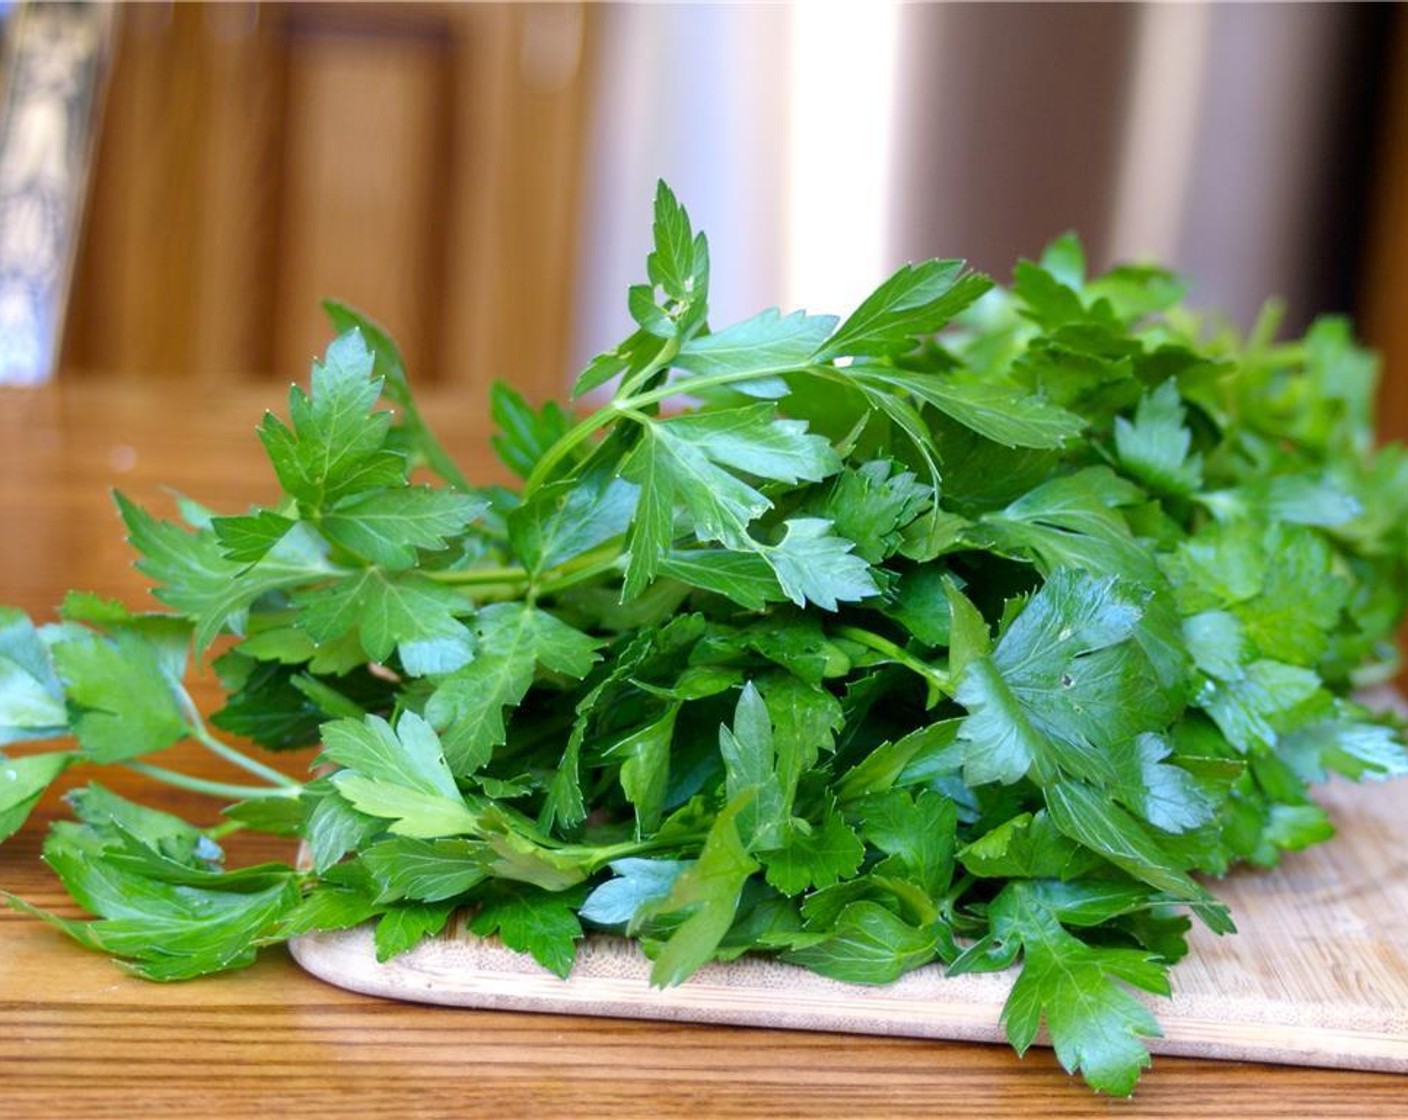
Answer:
(78, 1037)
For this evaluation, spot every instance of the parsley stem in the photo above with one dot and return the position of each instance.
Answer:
(629, 409)
(214, 789)
(573, 575)
(195, 727)
(575, 571)
(565, 446)
(600, 857)
(660, 366)
(603, 416)
(713, 381)
(240, 759)
(480, 577)
(630, 406)
(938, 679)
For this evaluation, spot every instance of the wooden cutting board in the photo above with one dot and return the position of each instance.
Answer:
(1317, 975)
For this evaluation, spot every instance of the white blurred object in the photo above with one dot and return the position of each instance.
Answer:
(1160, 130)
(696, 95)
(54, 76)
(822, 144)
(841, 158)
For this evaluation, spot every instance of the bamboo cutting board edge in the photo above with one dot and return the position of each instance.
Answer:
(1317, 976)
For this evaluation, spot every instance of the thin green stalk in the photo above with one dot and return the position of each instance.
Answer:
(574, 571)
(195, 727)
(713, 381)
(600, 857)
(938, 679)
(584, 429)
(242, 760)
(480, 577)
(663, 360)
(570, 578)
(630, 406)
(567, 444)
(215, 789)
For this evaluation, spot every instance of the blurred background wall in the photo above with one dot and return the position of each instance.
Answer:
(479, 176)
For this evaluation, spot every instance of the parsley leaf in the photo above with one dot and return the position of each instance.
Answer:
(814, 565)
(336, 445)
(532, 921)
(216, 593)
(917, 300)
(387, 611)
(1004, 413)
(566, 519)
(124, 701)
(868, 945)
(768, 344)
(1155, 446)
(31, 697)
(386, 527)
(1063, 685)
(513, 640)
(871, 506)
(405, 926)
(399, 776)
(685, 461)
(708, 892)
(1096, 1026)
(22, 783)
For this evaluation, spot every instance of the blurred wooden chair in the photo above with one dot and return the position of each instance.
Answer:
(420, 161)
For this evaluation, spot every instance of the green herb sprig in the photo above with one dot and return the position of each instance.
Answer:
(977, 628)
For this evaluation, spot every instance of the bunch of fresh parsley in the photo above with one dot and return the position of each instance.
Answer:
(964, 631)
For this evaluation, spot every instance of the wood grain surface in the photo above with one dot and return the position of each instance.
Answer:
(79, 1038)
